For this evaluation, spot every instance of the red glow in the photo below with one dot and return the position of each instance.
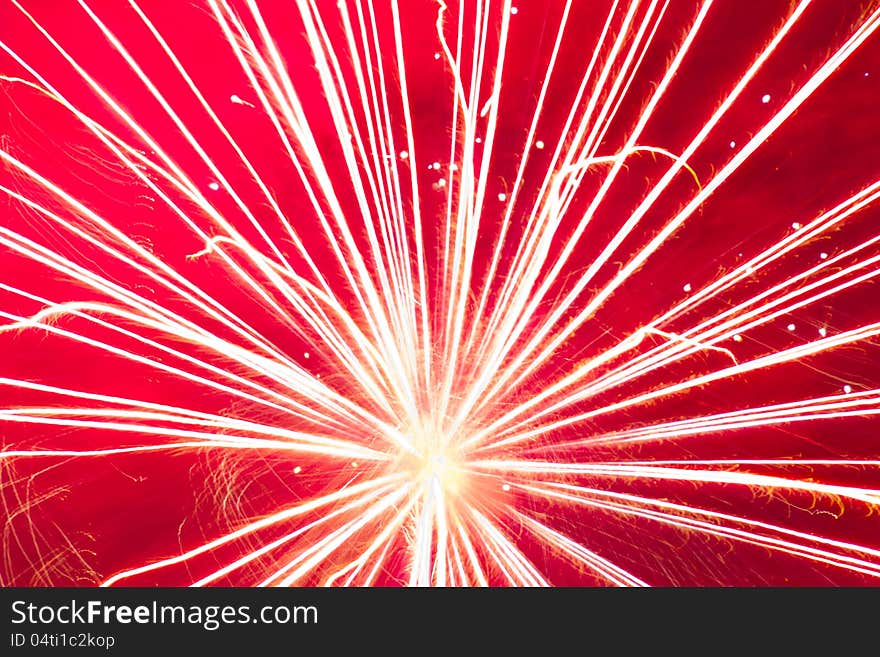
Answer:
(582, 293)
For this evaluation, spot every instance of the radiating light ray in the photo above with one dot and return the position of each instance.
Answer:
(332, 81)
(289, 405)
(417, 385)
(722, 332)
(382, 539)
(269, 547)
(356, 490)
(321, 550)
(364, 281)
(33, 250)
(209, 208)
(738, 478)
(120, 112)
(770, 127)
(605, 568)
(239, 442)
(861, 404)
(753, 144)
(528, 305)
(683, 521)
(551, 176)
(788, 355)
(517, 569)
(291, 439)
(518, 181)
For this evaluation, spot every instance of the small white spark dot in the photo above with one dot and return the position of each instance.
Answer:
(354, 464)
(866, 74)
(505, 487)
(479, 140)
(791, 327)
(539, 145)
(435, 166)
(297, 470)
(823, 331)
(214, 186)
(796, 226)
(238, 100)
(441, 183)
(514, 11)
(436, 55)
(502, 196)
(737, 338)
(823, 256)
(307, 355)
(765, 98)
(453, 167)
(687, 287)
(733, 144)
(403, 155)
(847, 389)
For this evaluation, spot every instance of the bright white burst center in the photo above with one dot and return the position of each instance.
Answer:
(434, 464)
(438, 466)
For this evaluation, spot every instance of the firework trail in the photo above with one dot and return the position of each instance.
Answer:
(481, 293)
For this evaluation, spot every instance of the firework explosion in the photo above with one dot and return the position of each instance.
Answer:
(486, 293)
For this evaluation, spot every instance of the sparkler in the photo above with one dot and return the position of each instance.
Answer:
(360, 293)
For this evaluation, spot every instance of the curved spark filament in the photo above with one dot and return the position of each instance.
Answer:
(397, 289)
